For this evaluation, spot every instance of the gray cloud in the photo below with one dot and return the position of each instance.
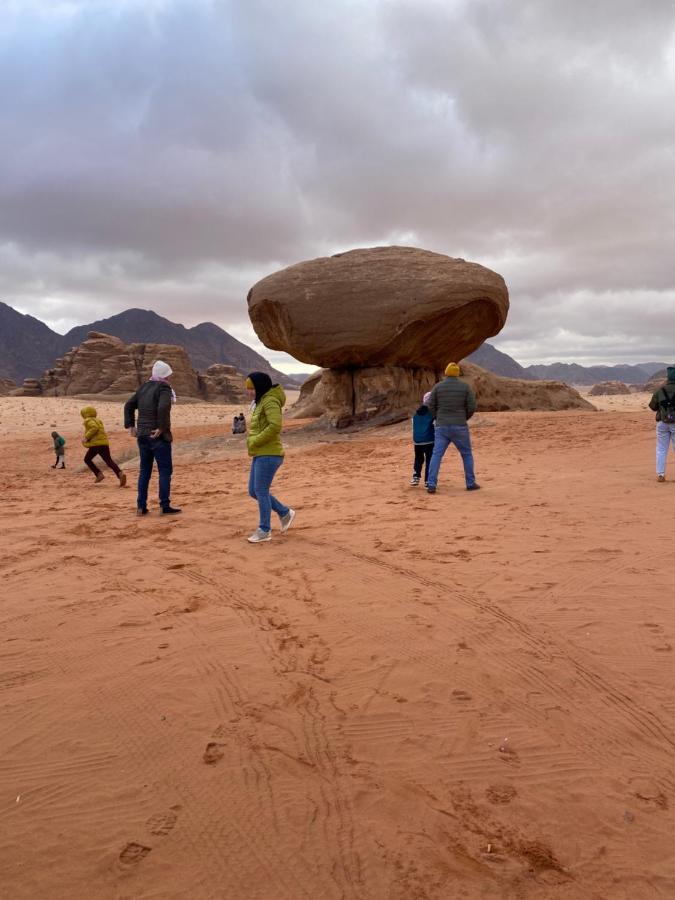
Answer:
(167, 154)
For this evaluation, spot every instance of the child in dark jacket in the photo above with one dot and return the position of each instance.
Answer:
(59, 450)
(423, 440)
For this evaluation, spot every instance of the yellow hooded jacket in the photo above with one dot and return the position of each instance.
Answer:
(94, 432)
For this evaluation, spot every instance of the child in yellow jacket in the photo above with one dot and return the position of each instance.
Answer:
(96, 441)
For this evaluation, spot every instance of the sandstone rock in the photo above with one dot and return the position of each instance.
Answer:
(6, 386)
(656, 381)
(608, 388)
(346, 397)
(394, 306)
(223, 384)
(30, 388)
(103, 364)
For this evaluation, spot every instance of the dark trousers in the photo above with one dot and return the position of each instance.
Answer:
(104, 453)
(153, 450)
(423, 453)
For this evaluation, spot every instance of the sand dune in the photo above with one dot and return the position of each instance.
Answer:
(406, 697)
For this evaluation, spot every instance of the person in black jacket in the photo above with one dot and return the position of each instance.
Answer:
(152, 429)
(663, 404)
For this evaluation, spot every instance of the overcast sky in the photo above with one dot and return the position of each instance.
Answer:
(168, 153)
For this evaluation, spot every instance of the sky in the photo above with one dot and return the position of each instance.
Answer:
(167, 154)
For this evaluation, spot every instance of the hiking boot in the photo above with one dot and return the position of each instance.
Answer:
(123, 479)
(170, 510)
(287, 520)
(259, 536)
(430, 489)
(99, 478)
(415, 480)
(142, 512)
(473, 487)
(661, 478)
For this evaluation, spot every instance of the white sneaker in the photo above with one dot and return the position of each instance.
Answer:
(287, 520)
(259, 536)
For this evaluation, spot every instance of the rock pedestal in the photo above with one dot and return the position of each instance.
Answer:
(350, 397)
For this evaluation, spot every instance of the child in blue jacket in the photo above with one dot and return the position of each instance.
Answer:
(423, 440)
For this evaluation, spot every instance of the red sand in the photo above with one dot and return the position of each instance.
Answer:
(407, 697)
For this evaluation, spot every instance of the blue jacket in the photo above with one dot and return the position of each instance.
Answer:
(423, 426)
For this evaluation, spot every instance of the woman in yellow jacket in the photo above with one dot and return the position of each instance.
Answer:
(96, 441)
(264, 446)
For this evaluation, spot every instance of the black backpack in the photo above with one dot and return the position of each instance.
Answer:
(667, 408)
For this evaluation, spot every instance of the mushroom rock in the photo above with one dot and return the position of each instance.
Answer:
(382, 306)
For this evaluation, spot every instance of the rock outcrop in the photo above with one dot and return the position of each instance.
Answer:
(348, 397)
(383, 306)
(608, 388)
(6, 386)
(103, 364)
(656, 381)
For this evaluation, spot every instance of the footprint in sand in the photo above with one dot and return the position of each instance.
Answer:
(163, 823)
(500, 794)
(133, 853)
(213, 752)
(461, 695)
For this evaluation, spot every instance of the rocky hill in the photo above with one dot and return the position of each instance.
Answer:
(488, 357)
(28, 347)
(104, 364)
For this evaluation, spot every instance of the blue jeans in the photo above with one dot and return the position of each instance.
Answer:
(459, 436)
(153, 450)
(263, 470)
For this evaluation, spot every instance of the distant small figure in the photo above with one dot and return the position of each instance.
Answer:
(452, 403)
(423, 440)
(59, 450)
(239, 424)
(97, 443)
(663, 404)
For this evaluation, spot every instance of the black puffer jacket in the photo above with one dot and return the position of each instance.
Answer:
(153, 402)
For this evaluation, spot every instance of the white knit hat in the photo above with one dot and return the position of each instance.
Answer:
(161, 369)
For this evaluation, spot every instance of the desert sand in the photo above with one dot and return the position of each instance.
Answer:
(405, 697)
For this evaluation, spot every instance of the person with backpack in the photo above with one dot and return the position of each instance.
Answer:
(663, 404)
(59, 450)
(152, 401)
(452, 403)
(423, 441)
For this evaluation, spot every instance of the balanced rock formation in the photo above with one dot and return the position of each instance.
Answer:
(103, 364)
(348, 397)
(383, 306)
(608, 388)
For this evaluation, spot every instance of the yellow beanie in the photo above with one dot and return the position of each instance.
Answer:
(250, 385)
(452, 369)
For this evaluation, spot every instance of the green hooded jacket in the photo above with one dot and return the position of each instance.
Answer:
(264, 433)
(666, 391)
(94, 432)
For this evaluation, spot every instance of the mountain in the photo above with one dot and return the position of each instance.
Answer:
(27, 345)
(571, 373)
(488, 357)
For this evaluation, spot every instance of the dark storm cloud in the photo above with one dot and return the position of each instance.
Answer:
(168, 154)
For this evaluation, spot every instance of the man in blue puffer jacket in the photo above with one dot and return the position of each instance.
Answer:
(423, 439)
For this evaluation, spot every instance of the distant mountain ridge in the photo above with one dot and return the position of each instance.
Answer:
(488, 357)
(572, 373)
(28, 346)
